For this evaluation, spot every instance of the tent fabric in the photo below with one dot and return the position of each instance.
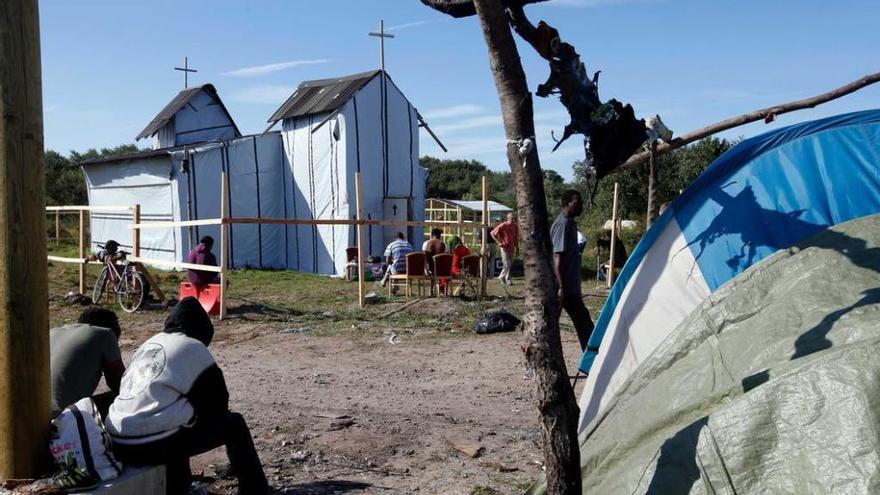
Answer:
(763, 195)
(195, 115)
(768, 386)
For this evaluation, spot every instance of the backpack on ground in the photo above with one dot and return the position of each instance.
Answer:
(80, 444)
(497, 321)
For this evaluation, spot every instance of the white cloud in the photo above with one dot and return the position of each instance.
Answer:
(470, 123)
(263, 94)
(413, 24)
(453, 111)
(262, 70)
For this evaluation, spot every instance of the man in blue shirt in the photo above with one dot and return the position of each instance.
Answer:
(567, 265)
(395, 256)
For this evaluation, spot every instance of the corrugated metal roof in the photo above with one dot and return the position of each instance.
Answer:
(179, 102)
(322, 95)
(476, 205)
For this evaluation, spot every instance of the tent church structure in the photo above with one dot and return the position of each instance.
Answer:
(330, 129)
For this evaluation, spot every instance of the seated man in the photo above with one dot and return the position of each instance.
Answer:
(433, 247)
(80, 353)
(202, 255)
(395, 256)
(173, 404)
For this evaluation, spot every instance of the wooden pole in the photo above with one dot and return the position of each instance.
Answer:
(136, 231)
(57, 227)
(653, 207)
(24, 312)
(224, 249)
(484, 264)
(360, 239)
(82, 252)
(610, 277)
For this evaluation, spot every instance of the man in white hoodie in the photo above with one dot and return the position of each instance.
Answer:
(173, 404)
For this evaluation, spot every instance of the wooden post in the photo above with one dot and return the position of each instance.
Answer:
(610, 277)
(136, 231)
(57, 227)
(484, 265)
(24, 313)
(224, 249)
(652, 188)
(82, 252)
(360, 239)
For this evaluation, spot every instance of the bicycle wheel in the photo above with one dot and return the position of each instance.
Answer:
(100, 286)
(130, 291)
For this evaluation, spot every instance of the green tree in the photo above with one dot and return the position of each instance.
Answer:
(452, 179)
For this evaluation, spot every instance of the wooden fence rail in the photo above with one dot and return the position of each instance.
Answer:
(224, 221)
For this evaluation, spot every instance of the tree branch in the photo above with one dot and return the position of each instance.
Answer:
(767, 114)
(465, 8)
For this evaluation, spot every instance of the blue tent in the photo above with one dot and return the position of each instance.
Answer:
(765, 194)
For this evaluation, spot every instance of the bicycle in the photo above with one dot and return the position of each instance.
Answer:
(124, 281)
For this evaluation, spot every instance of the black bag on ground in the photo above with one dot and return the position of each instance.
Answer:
(497, 321)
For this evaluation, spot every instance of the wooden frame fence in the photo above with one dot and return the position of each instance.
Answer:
(224, 221)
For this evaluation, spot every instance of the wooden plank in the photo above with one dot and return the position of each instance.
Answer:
(224, 240)
(24, 316)
(170, 224)
(360, 239)
(88, 208)
(289, 221)
(484, 263)
(57, 227)
(176, 265)
(610, 277)
(82, 251)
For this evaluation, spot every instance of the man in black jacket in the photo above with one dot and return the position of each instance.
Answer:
(173, 404)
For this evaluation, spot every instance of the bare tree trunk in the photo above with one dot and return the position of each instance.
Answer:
(556, 401)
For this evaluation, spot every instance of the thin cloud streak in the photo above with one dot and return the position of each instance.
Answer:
(262, 95)
(471, 123)
(453, 111)
(262, 70)
(413, 24)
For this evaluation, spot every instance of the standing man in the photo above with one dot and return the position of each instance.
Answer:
(567, 265)
(507, 236)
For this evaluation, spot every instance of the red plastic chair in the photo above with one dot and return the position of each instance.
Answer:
(208, 296)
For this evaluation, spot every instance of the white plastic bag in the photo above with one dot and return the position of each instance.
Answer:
(79, 441)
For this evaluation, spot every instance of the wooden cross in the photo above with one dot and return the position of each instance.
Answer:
(186, 70)
(381, 35)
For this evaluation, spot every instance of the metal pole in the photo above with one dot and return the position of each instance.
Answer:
(360, 239)
(224, 249)
(24, 314)
(382, 44)
(610, 277)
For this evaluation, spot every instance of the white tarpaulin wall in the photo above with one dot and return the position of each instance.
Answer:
(254, 167)
(323, 164)
(147, 181)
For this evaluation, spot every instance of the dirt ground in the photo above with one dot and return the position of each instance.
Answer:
(410, 403)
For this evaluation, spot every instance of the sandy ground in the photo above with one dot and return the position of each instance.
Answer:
(350, 412)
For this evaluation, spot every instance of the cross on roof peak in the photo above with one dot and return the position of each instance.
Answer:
(186, 70)
(381, 34)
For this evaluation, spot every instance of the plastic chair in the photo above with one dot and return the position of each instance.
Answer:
(208, 296)
(351, 254)
(415, 271)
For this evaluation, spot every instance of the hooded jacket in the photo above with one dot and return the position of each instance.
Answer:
(201, 255)
(172, 381)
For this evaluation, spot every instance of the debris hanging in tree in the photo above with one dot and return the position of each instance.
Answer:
(611, 131)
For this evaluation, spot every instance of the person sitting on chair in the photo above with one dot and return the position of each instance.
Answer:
(173, 404)
(395, 256)
(202, 255)
(459, 251)
(80, 353)
(433, 247)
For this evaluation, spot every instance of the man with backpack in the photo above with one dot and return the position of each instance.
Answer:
(173, 404)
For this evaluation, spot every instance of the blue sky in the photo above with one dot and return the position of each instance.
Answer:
(107, 65)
